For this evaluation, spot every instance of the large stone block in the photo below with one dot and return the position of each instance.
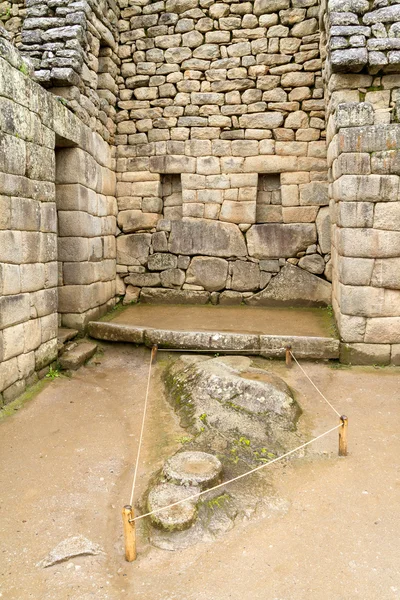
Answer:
(160, 261)
(207, 238)
(268, 120)
(245, 276)
(46, 354)
(351, 328)
(365, 354)
(367, 188)
(14, 310)
(372, 138)
(269, 164)
(366, 301)
(74, 165)
(383, 330)
(355, 214)
(368, 242)
(76, 197)
(314, 194)
(13, 341)
(79, 224)
(323, 223)
(276, 240)
(262, 7)
(9, 373)
(387, 216)
(355, 271)
(294, 287)
(132, 248)
(354, 114)
(210, 273)
(172, 164)
(136, 220)
(165, 296)
(238, 212)
(386, 274)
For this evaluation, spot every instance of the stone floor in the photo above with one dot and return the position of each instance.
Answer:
(233, 319)
(331, 532)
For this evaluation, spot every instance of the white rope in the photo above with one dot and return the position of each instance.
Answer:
(313, 384)
(153, 351)
(216, 350)
(157, 510)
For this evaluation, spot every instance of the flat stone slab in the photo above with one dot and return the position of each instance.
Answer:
(178, 517)
(268, 346)
(69, 548)
(65, 335)
(75, 357)
(193, 469)
(115, 332)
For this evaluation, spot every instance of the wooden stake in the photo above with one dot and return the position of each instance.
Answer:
(343, 436)
(288, 356)
(154, 353)
(129, 533)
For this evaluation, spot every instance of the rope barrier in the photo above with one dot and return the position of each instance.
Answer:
(216, 351)
(153, 353)
(128, 515)
(220, 485)
(313, 384)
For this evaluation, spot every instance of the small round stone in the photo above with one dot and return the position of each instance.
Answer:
(193, 468)
(176, 518)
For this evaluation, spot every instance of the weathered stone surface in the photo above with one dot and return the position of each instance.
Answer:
(115, 332)
(323, 223)
(229, 390)
(210, 273)
(245, 276)
(366, 301)
(144, 279)
(165, 296)
(207, 238)
(78, 355)
(70, 548)
(132, 294)
(386, 273)
(294, 287)
(193, 468)
(177, 518)
(172, 278)
(314, 263)
(365, 354)
(65, 335)
(161, 261)
(306, 348)
(275, 240)
(384, 330)
(130, 248)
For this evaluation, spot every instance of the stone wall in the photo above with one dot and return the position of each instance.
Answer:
(12, 15)
(363, 155)
(33, 123)
(73, 48)
(226, 100)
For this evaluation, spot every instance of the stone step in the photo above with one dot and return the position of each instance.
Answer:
(177, 518)
(77, 355)
(268, 346)
(65, 335)
(193, 468)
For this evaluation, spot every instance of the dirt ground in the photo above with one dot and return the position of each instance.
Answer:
(67, 458)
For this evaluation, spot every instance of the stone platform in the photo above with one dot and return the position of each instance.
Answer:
(263, 331)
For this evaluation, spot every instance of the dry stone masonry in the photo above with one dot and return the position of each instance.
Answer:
(197, 151)
(221, 154)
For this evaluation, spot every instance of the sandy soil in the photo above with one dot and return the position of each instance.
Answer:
(332, 531)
